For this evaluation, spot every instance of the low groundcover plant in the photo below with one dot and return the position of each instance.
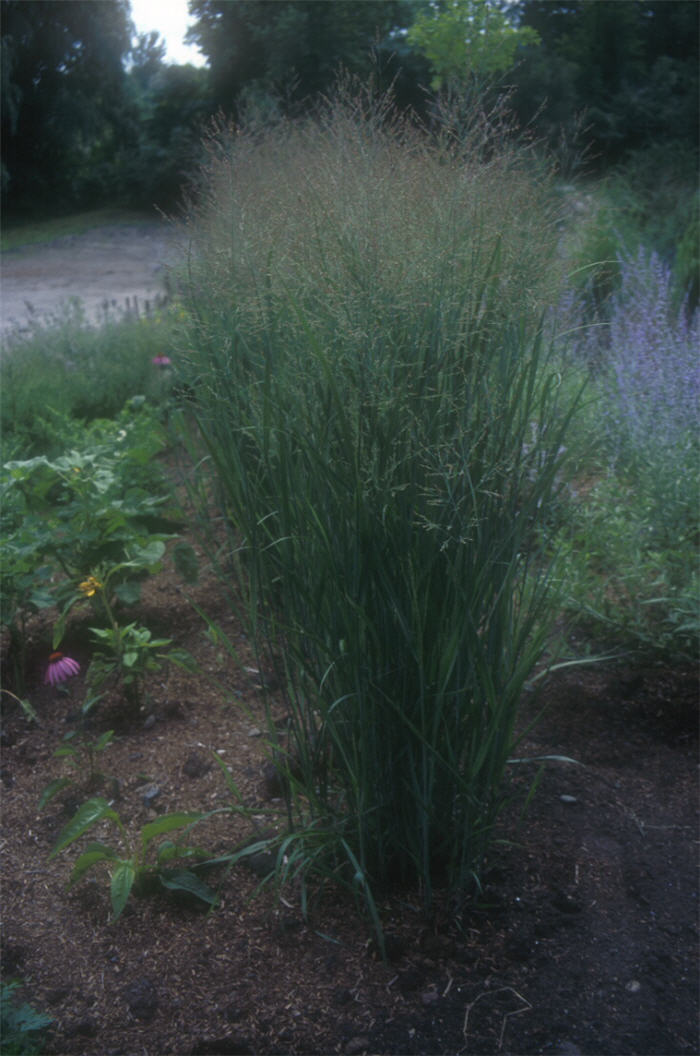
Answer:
(132, 871)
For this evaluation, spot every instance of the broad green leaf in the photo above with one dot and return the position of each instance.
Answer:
(27, 709)
(104, 740)
(94, 853)
(123, 878)
(183, 880)
(52, 788)
(129, 659)
(64, 751)
(102, 632)
(167, 851)
(92, 811)
(183, 659)
(129, 593)
(41, 599)
(166, 823)
(59, 629)
(148, 555)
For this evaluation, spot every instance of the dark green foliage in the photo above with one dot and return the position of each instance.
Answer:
(69, 368)
(632, 67)
(296, 46)
(62, 85)
(169, 106)
(21, 1027)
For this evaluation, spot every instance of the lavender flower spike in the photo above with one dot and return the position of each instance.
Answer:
(60, 668)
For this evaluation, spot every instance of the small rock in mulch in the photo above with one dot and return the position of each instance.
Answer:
(84, 1028)
(411, 979)
(342, 996)
(195, 765)
(142, 999)
(11, 958)
(262, 864)
(357, 1045)
(566, 903)
(149, 794)
(275, 783)
(57, 995)
(231, 1045)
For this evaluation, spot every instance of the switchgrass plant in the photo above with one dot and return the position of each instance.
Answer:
(383, 426)
(633, 548)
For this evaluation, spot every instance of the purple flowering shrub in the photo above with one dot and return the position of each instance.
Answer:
(633, 547)
(653, 386)
(644, 358)
(653, 357)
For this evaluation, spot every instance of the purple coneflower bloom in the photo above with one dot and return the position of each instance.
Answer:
(60, 668)
(161, 361)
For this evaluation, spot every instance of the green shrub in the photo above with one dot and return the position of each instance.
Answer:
(77, 370)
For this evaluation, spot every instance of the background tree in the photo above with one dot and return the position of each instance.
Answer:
(169, 107)
(295, 47)
(62, 97)
(467, 39)
(631, 65)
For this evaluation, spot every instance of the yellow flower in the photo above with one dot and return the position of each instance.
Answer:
(89, 586)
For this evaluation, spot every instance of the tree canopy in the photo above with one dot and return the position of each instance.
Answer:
(630, 65)
(295, 46)
(62, 86)
(92, 113)
(467, 39)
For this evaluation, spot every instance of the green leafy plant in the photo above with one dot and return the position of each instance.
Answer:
(22, 1028)
(70, 371)
(132, 871)
(81, 755)
(125, 653)
(100, 502)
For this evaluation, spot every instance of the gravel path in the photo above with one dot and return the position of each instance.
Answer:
(120, 266)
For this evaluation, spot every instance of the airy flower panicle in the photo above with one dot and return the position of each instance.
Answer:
(90, 586)
(60, 668)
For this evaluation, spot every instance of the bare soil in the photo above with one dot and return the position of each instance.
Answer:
(584, 939)
(115, 267)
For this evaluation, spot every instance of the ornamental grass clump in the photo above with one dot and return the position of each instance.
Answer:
(369, 376)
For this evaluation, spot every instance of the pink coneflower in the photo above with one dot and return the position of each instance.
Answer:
(161, 361)
(60, 668)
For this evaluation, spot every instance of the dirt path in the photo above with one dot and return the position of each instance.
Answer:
(116, 265)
